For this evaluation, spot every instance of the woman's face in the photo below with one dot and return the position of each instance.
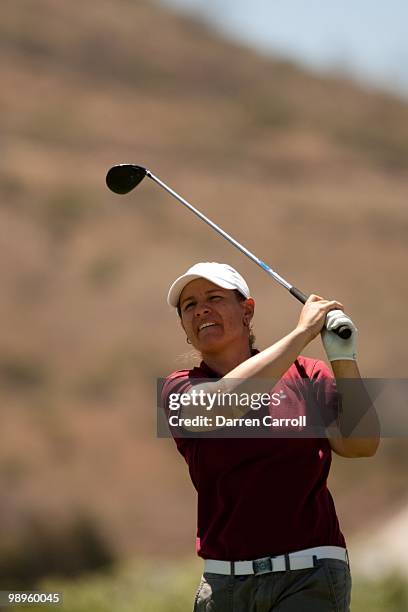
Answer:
(213, 318)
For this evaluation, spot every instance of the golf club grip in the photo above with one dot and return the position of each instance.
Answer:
(343, 331)
(299, 295)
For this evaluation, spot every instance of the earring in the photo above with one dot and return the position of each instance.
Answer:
(188, 340)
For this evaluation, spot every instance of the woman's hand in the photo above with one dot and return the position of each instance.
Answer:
(313, 315)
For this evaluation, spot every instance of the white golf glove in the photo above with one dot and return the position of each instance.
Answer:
(337, 348)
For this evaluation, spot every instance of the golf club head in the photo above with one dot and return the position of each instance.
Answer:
(124, 177)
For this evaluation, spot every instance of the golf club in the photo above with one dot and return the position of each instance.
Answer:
(125, 177)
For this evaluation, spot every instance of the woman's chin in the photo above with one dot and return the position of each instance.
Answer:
(210, 344)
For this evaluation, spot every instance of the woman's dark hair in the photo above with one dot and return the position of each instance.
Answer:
(240, 298)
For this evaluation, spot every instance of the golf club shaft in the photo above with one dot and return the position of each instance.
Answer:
(122, 178)
(230, 239)
(342, 331)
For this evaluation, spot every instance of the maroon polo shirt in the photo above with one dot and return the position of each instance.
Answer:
(261, 497)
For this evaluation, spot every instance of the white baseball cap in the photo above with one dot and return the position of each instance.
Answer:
(220, 274)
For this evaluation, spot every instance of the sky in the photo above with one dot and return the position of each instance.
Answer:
(366, 39)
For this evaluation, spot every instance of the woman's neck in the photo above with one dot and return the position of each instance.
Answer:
(227, 360)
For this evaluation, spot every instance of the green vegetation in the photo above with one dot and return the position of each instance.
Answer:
(376, 143)
(22, 372)
(104, 270)
(390, 594)
(159, 586)
(152, 586)
(63, 212)
(52, 550)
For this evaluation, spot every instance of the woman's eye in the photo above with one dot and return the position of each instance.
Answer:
(215, 297)
(188, 306)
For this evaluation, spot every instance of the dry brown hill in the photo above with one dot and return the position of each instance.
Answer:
(310, 173)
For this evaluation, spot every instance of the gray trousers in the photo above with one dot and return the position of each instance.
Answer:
(324, 588)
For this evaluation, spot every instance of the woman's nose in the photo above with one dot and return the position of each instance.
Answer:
(202, 309)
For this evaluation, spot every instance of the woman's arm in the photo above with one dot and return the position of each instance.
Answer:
(357, 410)
(269, 365)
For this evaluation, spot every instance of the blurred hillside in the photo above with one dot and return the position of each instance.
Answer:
(309, 173)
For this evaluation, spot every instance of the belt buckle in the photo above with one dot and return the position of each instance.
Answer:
(262, 566)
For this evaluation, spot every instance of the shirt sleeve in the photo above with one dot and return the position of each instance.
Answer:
(325, 390)
(177, 384)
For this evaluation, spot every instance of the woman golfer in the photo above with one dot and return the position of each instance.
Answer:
(267, 526)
